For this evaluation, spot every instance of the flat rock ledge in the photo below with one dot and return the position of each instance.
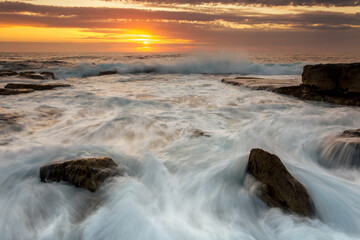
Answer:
(4, 91)
(111, 72)
(28, 74)
(312, 93)
(261, 83)
(279, 188)
(37, 87)
(89, 173)
(7, 73)
(19, 88)
(333, 83)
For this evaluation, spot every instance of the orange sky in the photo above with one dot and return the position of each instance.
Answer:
(179, 25)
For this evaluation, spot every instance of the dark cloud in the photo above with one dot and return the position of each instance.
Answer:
(262, 2)
(89, 17)
(312, 30)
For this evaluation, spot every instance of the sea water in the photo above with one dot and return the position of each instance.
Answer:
(177, 185)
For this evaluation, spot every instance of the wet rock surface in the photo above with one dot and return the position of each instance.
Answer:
(344, 77)
(7, 73)
(306, 92)
(342, 151)
(108, 73)
(37, 87)
(50, 75)
(199, 133)
(28, 74)
(4, 91)
(279, 188)
(89, 173)
(333, 83)
(31, 75)
(260, 83)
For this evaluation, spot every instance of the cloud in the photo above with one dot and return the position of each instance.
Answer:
(90, 17)
(261, 2)
(241, 27)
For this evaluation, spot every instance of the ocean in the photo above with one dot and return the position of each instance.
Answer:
(177, 185)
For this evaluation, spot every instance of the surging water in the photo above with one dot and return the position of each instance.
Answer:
(178, 186)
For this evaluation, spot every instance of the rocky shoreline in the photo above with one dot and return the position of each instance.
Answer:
(333, 83)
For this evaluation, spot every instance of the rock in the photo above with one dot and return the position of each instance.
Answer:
(89, 173)
(280, 189)
(342, 151)
(352, 133)
(261, 83)
(39, 76)
(31, 75)
(4, 91)
(107, 73)
(303, 91)
(48, 75)
(339, 77)
(40, 87)
(6, 73)
(312, 93)
(199, 133)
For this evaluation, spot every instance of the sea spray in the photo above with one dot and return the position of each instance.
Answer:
(223, 64)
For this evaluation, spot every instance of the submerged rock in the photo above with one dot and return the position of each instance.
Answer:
(48, 75)
(261, 83)
(342, 151)
(199, 133)
(89, 173)
(40, 87)
(39, 76)
(31, 75)
(4, 91)
(280, 189)
(6, 73)
(340, 77)
(107, 73)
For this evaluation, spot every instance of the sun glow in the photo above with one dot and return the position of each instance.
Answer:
(131, 39)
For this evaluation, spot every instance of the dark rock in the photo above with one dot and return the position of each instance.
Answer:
(248, 77)
(48, 75)
(280, 189)
(107, 73)
(342, 151)
(339, 77)
(4, 91)
(199, 133)
(6, 73)
(352, 133)
(89, 173)
(302, 91)
(261, 83)
(306, 92)
(321, 76)
(31, 75)
(35, 86)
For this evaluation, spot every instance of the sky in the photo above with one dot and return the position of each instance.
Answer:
(180, 25)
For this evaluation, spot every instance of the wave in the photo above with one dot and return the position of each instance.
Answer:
(190, 65)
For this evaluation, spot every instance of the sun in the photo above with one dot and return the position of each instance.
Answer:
(145, 42)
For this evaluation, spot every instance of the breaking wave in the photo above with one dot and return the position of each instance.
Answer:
(190, 65)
